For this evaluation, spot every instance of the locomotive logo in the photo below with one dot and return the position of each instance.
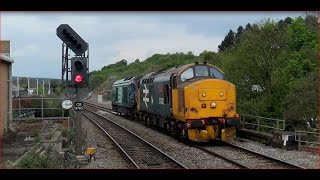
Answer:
(145, 92)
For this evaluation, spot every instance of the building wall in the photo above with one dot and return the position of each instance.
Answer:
(5, 48)
(4, 92)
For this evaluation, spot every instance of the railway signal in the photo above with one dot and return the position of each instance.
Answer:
(72, 39)
(79, 72)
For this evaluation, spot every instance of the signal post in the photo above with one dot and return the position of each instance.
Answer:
(79, 72)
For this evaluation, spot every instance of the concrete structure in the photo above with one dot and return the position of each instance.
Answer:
(5, 87)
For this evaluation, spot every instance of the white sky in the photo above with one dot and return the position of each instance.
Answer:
(113, 36)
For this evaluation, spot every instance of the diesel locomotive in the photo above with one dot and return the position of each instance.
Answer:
(192, 101)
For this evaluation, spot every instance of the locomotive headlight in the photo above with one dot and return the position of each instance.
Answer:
(203, 94)
(221, 94)
(213, 105)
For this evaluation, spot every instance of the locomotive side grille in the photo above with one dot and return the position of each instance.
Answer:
(181, 101)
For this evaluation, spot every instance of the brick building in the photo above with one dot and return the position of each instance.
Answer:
(5, 87)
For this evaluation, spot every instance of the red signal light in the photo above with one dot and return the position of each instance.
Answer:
(78, 78)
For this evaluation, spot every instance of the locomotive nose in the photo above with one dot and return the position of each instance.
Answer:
(210, 98)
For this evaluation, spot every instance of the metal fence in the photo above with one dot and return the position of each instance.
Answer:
(26, 105)
(259, 123)
(307, 138)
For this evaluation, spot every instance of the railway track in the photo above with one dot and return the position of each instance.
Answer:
(245, 158)
(140, 153)
(239, 156)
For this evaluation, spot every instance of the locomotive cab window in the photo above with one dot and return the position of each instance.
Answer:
(188, 74)
(201, 71)
(166, 93)
(216, 74)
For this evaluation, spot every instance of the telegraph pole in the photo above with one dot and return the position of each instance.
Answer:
(49, 89)
(18, 87)
(28, 87)
(43, 87)
(37, 87)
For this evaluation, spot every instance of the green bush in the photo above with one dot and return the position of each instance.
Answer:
(36, 161)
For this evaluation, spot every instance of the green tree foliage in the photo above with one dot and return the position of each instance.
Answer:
(301, 70)
(281, 58)
(261, 50)
(302, 99)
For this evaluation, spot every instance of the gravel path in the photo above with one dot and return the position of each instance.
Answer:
(107, 155)
(301, 158)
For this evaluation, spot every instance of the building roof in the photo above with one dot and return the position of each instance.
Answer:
(6, 58)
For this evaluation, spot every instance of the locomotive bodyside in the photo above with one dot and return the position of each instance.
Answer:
(124, 96)
(155, 107)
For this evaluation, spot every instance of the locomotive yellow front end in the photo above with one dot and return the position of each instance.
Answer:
(207, 106)
(213, 103)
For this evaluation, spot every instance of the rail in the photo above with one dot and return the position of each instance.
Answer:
(140, 152)
(259, 123)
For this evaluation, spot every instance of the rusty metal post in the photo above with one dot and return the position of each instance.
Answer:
(42, 107)
(78, 123)
(19, 108)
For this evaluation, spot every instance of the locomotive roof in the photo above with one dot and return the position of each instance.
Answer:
(125, 80)
(166, 73)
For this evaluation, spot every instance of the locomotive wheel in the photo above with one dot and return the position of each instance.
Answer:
(185, 136)
(135, 117)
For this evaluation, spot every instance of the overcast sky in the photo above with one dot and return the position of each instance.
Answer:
(113, 36)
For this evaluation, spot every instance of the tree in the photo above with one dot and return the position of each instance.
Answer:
(238, 35)
(284, 23)
(248, 27)
(302, 100)
(311, 21)
(228, 41)
(258, 60)
(123, 62)
(302, 68)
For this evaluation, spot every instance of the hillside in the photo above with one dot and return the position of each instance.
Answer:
(101, 81)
